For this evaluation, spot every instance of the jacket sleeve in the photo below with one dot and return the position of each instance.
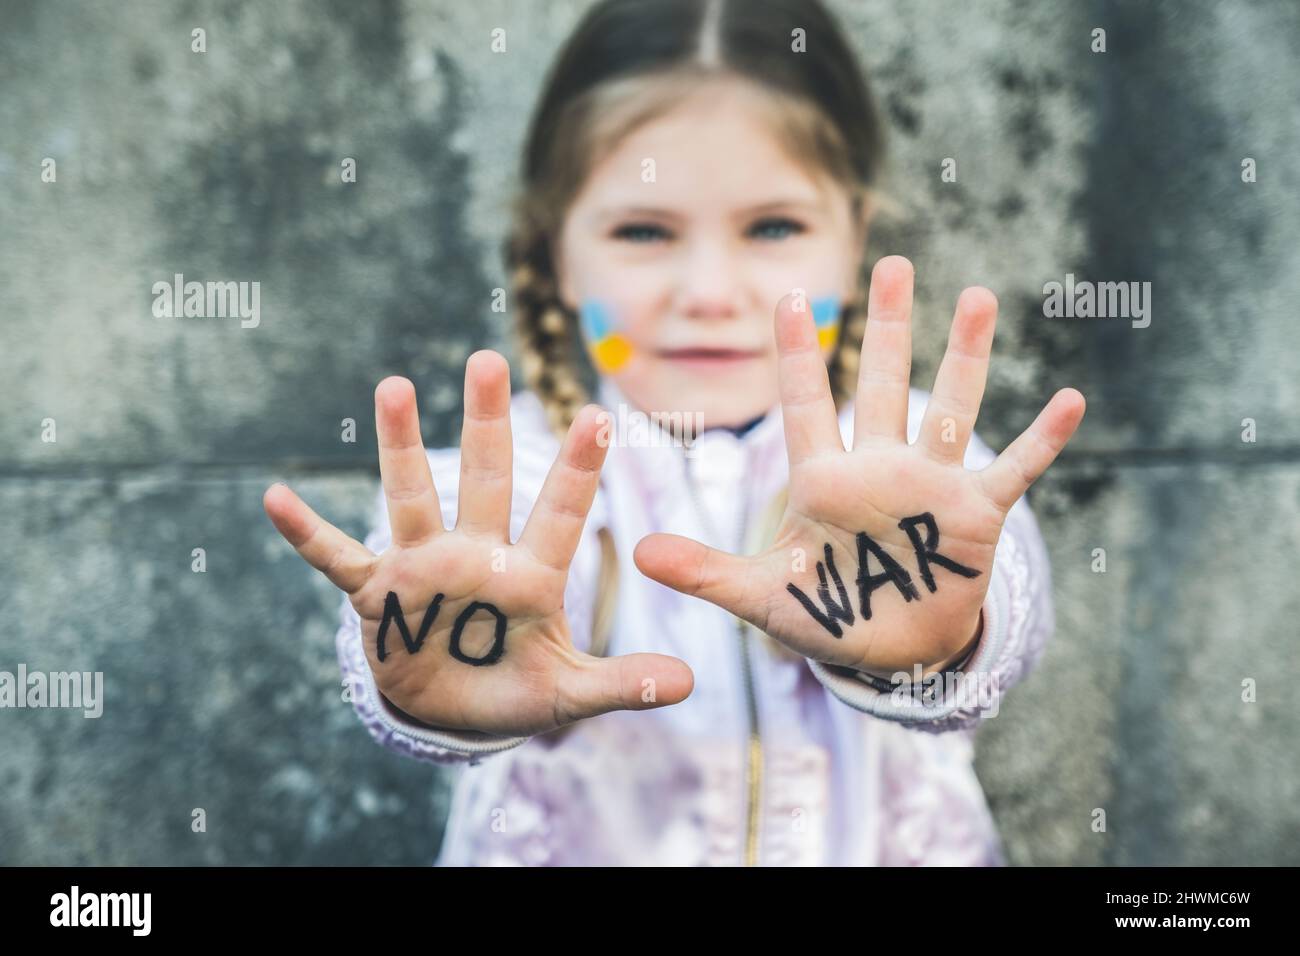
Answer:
(399, 731)
(1018, 618)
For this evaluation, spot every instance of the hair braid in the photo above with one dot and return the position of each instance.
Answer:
(544, 330)
(846, 356)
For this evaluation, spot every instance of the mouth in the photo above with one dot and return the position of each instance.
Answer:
(709, 357)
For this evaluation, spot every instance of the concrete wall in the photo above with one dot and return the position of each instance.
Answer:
(223, 691)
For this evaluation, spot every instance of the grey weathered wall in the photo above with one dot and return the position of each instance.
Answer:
(222, 687)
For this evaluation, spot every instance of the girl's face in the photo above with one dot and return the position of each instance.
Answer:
(682, 241)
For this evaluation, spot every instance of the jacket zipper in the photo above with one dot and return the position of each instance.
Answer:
(754, 745)
(754, 764)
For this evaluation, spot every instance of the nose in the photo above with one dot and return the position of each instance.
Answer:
(709, 287)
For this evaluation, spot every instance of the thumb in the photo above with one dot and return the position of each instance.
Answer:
(599, 685)
(696, 569)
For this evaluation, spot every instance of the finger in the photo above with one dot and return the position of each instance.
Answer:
(555, 525)
(413, 511)
(884, 374)
(630, 682)
(959, 387)
(344, 560)
(1025, 459)
(807, 408)
(696, 569)
(486, 448)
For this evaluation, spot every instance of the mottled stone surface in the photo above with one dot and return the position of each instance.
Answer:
(222, 689)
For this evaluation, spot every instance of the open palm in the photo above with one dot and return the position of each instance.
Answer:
(462, 628)
(883, 556)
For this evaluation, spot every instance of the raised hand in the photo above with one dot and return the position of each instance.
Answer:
(462, 628)
(883, 557)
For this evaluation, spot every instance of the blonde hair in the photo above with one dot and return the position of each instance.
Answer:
(819, 107)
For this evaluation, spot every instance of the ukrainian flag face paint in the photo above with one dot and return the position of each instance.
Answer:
(608, 349)
(826, 317)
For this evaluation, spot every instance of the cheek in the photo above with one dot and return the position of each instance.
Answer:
(607, 342)
(826, 318)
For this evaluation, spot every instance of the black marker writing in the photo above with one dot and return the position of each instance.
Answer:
(393, 614)
(926, 549)
(927, 552)
(842, 611)
(893, 573)
(498, 640)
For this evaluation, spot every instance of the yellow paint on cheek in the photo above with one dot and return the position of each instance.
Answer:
(608, 349)
(826, 319)
(611, 353)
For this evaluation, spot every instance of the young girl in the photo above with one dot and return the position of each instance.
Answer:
(764, 640)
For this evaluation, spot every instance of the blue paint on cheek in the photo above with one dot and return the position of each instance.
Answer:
(826, 311)
(826, 318)
(608, 349)
(595, 320)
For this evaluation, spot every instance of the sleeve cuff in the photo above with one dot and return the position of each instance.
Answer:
(945, 702)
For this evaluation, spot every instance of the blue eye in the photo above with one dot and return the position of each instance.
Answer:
(785, 228)
(640, 232)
